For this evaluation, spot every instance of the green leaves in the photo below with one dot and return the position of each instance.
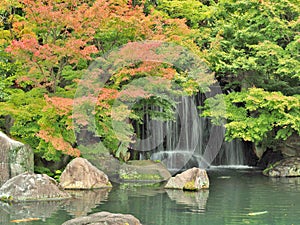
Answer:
(255, 114)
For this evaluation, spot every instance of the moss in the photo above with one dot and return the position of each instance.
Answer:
(270, 167)
(6, 198)
(135, 176)
(190, 186)
(141, 162)
(139, 176)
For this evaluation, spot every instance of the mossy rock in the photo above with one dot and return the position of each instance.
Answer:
(143, 171)
(289, 167)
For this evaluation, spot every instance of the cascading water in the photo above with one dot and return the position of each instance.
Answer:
(183, 143)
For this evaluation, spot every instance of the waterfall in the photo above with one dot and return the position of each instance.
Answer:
(188, 140)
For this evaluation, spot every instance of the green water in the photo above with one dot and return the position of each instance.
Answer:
(235, 197)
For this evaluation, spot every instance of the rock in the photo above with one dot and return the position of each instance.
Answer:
(104, 218)
(192, 180)
(15, 158)
(32, 187)
(144, 171)
(289, 167)
(290, 147)
(81, 174)
(108, 164)
(268, 158)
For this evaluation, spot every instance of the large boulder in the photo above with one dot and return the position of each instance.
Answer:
(15, 158)
(32, 187)
(289, 167)
(81, 174)
(191, 180)
(104, 218)
(143, 171)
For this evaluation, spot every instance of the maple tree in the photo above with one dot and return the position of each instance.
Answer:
(54, 43)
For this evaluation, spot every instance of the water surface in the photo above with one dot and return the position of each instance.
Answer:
(236, 196)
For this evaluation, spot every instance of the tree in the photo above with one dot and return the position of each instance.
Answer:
(256, 115)
(55, 42)
(247, 43)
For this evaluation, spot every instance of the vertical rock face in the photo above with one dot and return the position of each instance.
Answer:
(290, 147)
(15, 158)
(81, 174)
(192, 180)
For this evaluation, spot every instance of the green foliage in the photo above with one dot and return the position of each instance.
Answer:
(247, 43)
(43, 170)
(255, 115)
(25, 108)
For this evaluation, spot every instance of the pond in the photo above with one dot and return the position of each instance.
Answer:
(236, 196)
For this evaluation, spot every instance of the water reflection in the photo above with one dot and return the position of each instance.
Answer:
(23, 210)
(196, 200)
(142, 189)
(287, 182)
(81, 204)
(234, 197)
(84, 201)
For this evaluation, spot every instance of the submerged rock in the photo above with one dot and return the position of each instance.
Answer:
(32, 187)
(104, 218)
(15, 158)
(81, 174)
(289, 167)
(144, 171)
(192, 179)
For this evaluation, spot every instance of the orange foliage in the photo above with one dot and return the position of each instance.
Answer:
(58, 143)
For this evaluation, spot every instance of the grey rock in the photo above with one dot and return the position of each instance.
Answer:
(81, 174)
(289, 167)
(32, 187)
(192, 179)
(104, 218)
(15, 158)
(290, 147)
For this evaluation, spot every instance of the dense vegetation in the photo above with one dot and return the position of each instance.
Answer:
(46, 47)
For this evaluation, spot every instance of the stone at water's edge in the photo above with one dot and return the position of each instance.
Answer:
(105, 218)
(32, 187)
(289, 167)
(143, 171)
(15, 158)
(191, 180)
(81, 174)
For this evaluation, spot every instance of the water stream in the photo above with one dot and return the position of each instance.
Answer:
(189, 140)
